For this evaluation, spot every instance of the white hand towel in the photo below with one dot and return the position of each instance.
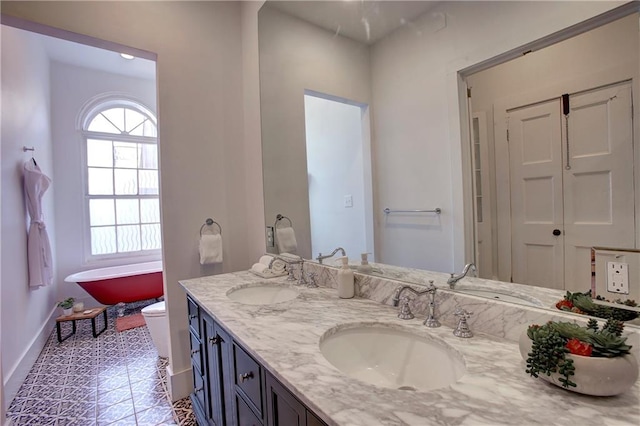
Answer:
(286, 239)
(210, 249)
(261, 269)
(290, 256)
(266, 259)
(278, 267)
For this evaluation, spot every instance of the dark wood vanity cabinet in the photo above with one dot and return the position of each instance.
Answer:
(230, 387)
(209, 360)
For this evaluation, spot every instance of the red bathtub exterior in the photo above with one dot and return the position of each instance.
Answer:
(125, 289)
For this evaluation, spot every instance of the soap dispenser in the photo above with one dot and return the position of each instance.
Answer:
(364, 266)
(346, 286)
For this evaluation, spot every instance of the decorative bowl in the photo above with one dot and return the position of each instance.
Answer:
(593, 375)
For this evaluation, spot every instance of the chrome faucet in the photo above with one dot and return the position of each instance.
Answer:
(321, 257)
(405, 312)
(455, 278)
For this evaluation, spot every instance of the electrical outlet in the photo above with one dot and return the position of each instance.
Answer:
(348, 200)
(618, 277)
(270, 241)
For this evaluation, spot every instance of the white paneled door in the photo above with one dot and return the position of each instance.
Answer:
(535, 154)
(572, 185)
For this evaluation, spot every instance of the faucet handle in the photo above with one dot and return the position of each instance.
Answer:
(462, 313)
(462, 330)
(311, 283)
(405, 312)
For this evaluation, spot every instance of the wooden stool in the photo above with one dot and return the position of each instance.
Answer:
(87, 314)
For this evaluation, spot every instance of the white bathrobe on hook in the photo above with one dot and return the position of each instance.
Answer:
(36, 184)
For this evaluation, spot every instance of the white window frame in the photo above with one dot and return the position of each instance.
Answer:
(87, 117)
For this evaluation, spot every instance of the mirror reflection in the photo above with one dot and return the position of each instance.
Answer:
(307, 53)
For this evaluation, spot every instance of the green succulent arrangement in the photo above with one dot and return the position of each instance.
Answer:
(582, 303)
(552, 341)
(66, 303)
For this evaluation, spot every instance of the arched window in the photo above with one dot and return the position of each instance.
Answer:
(122, 195)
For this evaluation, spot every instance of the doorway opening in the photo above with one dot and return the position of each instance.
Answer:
(339, 174)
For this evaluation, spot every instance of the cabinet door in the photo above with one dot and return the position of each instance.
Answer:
(283, 409)
(313, 420)
(246, 416)
(215, 399)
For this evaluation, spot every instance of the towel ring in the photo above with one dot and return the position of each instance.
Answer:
(210, 222)
(279, 217)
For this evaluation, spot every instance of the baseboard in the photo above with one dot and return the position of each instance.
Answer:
(180, 385)
(14, 378)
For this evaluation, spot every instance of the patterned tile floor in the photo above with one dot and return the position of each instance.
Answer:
(114, 379)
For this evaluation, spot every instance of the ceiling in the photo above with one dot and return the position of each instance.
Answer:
(94, 58)
(364, 21)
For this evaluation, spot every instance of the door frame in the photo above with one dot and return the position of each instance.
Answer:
(503, 199)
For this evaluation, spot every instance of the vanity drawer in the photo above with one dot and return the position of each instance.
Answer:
(196, 351)
(247, 377)
(245, 416)
(198, 390)
(194, 316)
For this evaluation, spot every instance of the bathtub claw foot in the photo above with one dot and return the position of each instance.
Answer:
(120, 306)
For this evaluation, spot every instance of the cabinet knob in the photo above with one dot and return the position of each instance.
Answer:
(195, 351)
(557, 232)
(245, 376)
(194, 316)
(214, 340)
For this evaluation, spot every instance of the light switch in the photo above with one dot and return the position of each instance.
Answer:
(348, 201)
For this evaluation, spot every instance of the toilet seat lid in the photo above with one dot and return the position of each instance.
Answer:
(155, 310)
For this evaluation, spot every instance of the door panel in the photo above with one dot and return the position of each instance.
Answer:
(536, 194)
(599, 208)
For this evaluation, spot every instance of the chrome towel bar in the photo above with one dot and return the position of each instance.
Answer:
(437, 210)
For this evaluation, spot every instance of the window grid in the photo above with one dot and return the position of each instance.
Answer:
(124, 230)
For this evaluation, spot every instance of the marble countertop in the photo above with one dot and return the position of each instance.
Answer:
(495, 390)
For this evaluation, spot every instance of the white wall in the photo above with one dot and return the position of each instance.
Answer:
(200, 114)
(335, 168)
(295, 56)
(26, 313)
(71, 88)
(417, 125)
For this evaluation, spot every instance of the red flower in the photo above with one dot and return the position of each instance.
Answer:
(578, 347)
(564, 305)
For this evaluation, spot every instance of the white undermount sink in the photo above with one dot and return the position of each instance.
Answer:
(391, 357)
(262, 293)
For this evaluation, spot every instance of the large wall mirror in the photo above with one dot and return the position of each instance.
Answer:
(566, 108)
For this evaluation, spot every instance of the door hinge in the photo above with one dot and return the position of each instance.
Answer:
(507, 135)
(468, 92)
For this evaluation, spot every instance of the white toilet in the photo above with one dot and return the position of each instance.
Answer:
(156, 318)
